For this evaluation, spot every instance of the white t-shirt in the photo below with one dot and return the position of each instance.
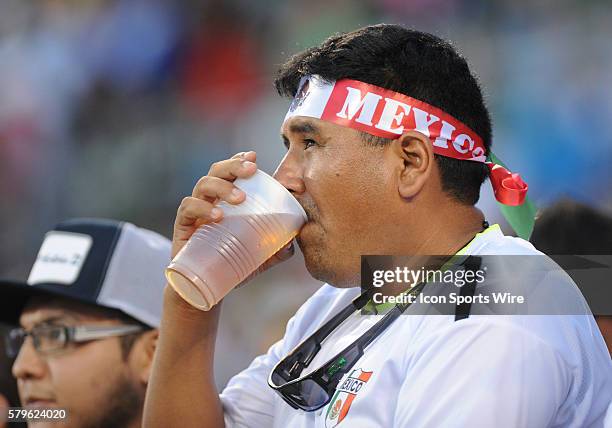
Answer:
(432, 371)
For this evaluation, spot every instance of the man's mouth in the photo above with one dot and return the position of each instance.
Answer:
(38, 402)
(309, 216)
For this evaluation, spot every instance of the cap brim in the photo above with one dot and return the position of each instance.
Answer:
(14, 295)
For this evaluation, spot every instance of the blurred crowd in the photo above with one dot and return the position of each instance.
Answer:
(114, 108)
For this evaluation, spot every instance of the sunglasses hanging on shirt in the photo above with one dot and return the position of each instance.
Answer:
(314, 390)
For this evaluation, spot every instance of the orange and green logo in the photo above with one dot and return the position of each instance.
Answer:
(342, 400)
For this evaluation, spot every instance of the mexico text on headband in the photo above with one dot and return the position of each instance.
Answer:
(389, 114)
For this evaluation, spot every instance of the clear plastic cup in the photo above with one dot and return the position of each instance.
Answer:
(219, 256)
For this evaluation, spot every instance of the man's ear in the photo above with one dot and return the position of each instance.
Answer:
(416, 154)
(147, 343)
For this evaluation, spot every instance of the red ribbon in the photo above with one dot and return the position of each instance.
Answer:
(509, 187)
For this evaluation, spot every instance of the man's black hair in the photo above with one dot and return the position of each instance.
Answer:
(413, 63)
(569, 227)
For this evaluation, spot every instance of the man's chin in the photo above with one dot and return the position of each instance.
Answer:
(319, 268)
(313, 260)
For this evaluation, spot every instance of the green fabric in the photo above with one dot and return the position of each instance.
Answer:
(521, 217)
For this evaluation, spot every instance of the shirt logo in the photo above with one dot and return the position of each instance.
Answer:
(340, 403)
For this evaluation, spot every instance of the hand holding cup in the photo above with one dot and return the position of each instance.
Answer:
(225, 234)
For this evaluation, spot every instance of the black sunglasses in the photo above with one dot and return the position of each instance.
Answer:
(313, 391)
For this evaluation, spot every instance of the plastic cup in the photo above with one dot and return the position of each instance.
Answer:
(221, 255)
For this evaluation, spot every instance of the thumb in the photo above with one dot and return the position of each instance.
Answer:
(282, 255)
(286, 252)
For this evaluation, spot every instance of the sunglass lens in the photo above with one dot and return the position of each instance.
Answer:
(309, 395)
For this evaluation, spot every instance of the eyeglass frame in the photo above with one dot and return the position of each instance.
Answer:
(70, 334)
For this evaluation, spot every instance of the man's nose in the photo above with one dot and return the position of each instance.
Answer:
(28, 363)
(290, 173)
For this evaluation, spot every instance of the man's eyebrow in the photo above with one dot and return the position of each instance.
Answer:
(299, 128)
(53, 319)
(303, 128)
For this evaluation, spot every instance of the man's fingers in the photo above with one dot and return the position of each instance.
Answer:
(286, 252)
(199, 208)
(217, 183)
(230, 169)
(193, 210)
(214, 188)
(250, 156)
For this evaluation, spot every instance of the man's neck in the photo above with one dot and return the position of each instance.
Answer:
(445, 232)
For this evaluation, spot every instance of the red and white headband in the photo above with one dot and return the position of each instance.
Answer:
(389, 114)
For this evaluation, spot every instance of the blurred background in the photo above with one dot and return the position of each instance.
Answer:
(114, 108)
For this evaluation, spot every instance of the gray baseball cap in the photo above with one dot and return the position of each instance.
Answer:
(106, 263)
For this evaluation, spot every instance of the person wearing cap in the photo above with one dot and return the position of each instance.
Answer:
(88, 317)
(388, 141)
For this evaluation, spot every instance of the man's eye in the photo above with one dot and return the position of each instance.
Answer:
(309, 143)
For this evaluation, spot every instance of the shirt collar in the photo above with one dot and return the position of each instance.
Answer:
(472, 247)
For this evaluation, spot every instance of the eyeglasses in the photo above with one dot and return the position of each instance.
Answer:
(313, 391)
(48, 339)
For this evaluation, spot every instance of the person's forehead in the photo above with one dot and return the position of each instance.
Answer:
(39, 309)
(311, 125)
